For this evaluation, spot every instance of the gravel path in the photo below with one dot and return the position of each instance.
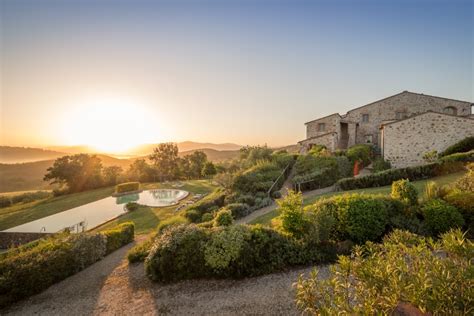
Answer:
(112, 287)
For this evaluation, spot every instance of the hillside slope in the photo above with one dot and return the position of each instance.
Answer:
(10, 154)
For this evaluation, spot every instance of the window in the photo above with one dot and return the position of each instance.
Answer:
(321, 127)
(365, 118)
(400, 115)
(368, 139)
(450, 110)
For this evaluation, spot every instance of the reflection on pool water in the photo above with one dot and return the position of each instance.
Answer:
(99, 212)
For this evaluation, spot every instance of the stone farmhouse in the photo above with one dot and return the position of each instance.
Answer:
(403, 127)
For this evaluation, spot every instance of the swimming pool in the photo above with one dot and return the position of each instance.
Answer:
(88, 216)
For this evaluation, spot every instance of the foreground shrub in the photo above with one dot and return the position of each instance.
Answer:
(361, 152)
(170, 222)
(405, 192)
(291, 214)
(208, 204)
(258, 178)
(127, 187)
(139, 252)
(120, 236)
(223, 218)
(440, 216)
(380, 164)
(466, 183)
(405, 268)
(32, 269)
(467, 144)
(238, 209)
(132, 206)
(464, 202)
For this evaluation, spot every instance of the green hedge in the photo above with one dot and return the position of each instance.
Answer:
(208, 204)
(119, 236)
(387, 177)
(31, 268)
(459, 157)
(467, 144)
(236, 251)
(127, 187)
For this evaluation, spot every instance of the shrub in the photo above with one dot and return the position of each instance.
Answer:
(291, 214)
(223, 218)
(380, 276)
(178, 253)
(225, 246)
(127, 187)
(208, 204)
(380, 164)
(430, 156)
(170, 222)
(361, 217)
(360, 152)
(467, 144)
(387, 177)
(258, 178)
(119, 236)
(440, 216)
(464, 202)
(132, 206)
(247, 199)
(459, 157)
(32, 269)
(30, 197)
(5, 201)
(466, 183)
(276, 195)
(139, 252)
(207, 217)
(238, 209)
(405, 192)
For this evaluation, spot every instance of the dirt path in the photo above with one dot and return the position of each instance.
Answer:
(112, 287)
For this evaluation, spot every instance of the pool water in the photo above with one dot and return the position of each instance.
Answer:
(88, 216)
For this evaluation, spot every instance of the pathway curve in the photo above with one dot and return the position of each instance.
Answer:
(113, 287)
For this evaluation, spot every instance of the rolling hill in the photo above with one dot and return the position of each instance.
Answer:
(10, 154)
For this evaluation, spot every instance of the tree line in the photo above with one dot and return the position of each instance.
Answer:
(76, 173)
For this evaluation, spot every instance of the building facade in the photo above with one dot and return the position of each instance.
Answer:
(365, 124)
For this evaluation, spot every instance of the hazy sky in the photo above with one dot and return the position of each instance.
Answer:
(249, 72)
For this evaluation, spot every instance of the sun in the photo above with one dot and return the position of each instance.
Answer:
(108, 125)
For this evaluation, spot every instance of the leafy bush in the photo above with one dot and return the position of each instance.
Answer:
(208, 204)
(459, 157)
(178, 253)
(467, 144)
(258, 178)
(207, 217)
(405, 268)
(387, 177)
(276, 195)
(464, 202)
(466, 183)
(360, 152)
(119, 236)
(430, 156)
(139, 252)
(238, 209)
(380, 164)
(405, 192)
(127, 187)
(440, 216)
(236, 251)
(172, 221)
(5, 201)
(291, 214)
(32, 269)
(27, 197)
(132, 206)
(223, 218)
(318, 172)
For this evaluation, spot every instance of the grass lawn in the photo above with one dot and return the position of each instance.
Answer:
(145, 219)
(420, 186)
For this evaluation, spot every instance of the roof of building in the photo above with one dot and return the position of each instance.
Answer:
(314, 137)
(322, 118)
(371, 103)
(424, 113)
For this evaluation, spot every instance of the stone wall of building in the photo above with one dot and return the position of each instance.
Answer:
(405, 103)
(405, 142)
(331, 123)
(329, 140)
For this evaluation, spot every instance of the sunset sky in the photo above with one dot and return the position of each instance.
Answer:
(114, 74)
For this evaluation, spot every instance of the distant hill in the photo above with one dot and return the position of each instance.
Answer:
(29, 176)
(214, 155)
(71, 150)
(26, 154)
(147, 149)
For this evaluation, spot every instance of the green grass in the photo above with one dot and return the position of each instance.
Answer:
(145, 218)
(419, 185)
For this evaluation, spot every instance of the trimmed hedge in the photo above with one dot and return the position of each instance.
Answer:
(460, 157)
(441, 217)
(467, 144)
(31, 268)
(236, 251)
(120, 236)
(127, 187)
(387, 177)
